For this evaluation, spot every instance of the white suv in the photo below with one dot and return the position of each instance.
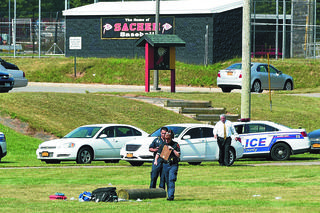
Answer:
(3, 145)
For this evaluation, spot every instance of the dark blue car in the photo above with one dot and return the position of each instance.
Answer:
(6, 82)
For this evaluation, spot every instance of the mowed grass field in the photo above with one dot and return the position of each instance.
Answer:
(26, 182)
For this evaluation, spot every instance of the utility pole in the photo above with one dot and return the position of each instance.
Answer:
(246, 61)
(156, 72)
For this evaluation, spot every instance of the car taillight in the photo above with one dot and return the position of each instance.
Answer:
(239, 139)
(240, 76)
(24, 75)
(304, 134)
(219, 76)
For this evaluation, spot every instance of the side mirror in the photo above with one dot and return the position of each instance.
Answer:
(279, 73)
(103, 136)
(186, 137)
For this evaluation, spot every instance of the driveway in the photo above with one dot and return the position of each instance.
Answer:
(91, 88)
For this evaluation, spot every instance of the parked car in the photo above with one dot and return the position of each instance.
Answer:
(231, 78)
(96, 142)
(314, 137)
(3, 146)
(271, 140)
(196, 141)
(6, 82)
(19, 76)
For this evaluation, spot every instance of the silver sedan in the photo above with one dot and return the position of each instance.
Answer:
(231, 78)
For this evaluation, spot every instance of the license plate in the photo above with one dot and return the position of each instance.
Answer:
(45, 154)
(7, 85)
(229, 73)
(129, 155)
(316, 145)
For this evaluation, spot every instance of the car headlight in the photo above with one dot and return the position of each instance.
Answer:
(10, 75)
(68, 145)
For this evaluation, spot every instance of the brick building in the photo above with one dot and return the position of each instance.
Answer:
(211, 29)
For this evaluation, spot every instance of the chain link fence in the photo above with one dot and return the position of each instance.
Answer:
(52, 37)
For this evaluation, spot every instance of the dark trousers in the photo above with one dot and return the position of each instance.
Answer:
(155, 173)
(170, 173)
(224, 145)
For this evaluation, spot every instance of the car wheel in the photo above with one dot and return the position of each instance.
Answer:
(288, 85)
(226, 89)
(52, 161)
(256, 87)
(136, 163)
(232, 157)
(280, 151)
(194, 163)
(84, 156)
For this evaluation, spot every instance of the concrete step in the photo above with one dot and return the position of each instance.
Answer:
(189, 104)
(208, 110)
(216, 118)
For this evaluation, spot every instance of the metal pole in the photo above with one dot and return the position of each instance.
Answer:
(39, 45)
(277, 27)
(315, 29)
(15, 28)
(246, 61)
(254, 29)
(291, 31)
(9, 35)
(284, 40)
(156, 72)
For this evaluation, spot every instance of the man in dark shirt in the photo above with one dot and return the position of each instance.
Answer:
(170, 166)
(157, 169)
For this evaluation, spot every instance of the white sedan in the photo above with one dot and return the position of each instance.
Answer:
(96, 142)
(271, 140)
(19, 76)
(196, 142)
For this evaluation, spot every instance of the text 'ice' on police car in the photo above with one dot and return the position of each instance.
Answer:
(271, 140)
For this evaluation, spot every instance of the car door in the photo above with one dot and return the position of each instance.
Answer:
(193, 146)
(262, 75)
(123, 134)
(104, 143)
(256, 138)
(212, 148)
(277, 81)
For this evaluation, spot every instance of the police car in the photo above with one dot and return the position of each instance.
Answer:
(271, 140)
(3, 145)
(196, 141)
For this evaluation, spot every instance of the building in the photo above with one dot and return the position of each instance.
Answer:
(212, 30)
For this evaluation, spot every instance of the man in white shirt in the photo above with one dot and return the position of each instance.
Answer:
(223, 131)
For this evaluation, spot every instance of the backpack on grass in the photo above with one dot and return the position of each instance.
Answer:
(107, 194)
(85, 196)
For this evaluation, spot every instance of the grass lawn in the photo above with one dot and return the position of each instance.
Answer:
(205, 188)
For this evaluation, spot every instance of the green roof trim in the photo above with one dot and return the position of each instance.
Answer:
(161, 40)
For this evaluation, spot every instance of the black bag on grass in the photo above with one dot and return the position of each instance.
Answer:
(107, 194)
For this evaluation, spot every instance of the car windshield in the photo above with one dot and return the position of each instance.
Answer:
(83, 132)
(176, 130)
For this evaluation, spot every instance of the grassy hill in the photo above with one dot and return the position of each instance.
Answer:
(131, 71)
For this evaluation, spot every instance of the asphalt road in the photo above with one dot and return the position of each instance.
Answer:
(91, 88)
